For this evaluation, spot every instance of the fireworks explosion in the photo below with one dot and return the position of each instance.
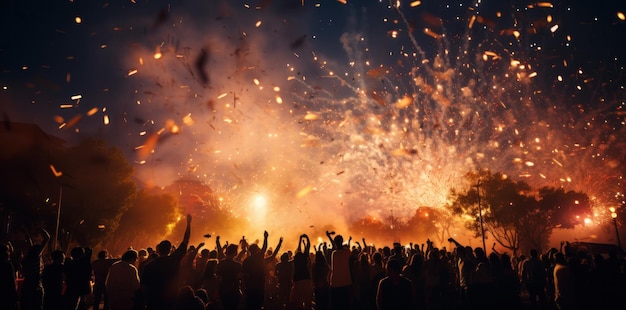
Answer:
(326, 113)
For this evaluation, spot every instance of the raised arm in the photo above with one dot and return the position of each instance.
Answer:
(299, 249)
(455, 242)
(264, 248)
(185, 242)
(46, 238)
(307, 244)
(275, 253)
(493, 249)
(218, 246)
(330, 234)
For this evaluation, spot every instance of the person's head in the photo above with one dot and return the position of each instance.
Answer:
(164, 248)
(378, 258)
(130, 256)
(494, 259)
(254, 248)
(202, 294)
(142, 253)
(103, 254)
(231, 250)
(394, 267)
(534, 253)
(506, 260)
(479, 252)
(320, 259)
(284, 257)
(211, 267)
(77, 252)
(338, 241)
(58, 256)
(559, 258)
(204, 253)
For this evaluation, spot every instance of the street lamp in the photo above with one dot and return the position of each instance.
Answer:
(56, 229)
(614, 216)
(480, 216)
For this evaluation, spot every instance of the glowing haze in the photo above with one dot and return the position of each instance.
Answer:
(323, 113)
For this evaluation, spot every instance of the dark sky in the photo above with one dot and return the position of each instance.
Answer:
(351, 104)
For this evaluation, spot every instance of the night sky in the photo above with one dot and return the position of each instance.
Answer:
(326, 106)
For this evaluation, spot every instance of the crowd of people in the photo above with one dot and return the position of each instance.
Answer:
(336, 274)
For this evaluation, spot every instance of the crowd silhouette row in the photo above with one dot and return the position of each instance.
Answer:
(330, 275)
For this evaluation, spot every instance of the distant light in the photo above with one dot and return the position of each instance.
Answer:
(78, 20)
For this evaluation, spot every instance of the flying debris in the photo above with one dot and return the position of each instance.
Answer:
(200, 65)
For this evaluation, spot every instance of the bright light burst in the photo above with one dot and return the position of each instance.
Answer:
(375, 111)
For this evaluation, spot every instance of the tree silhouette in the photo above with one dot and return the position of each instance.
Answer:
(503, 203)
(101, 188)
(513, 215)
(149, 219)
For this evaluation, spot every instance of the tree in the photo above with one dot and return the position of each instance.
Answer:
(429, 223)
(100, 188)
(91, 181)
(149, 218)
(504, 204)
(512, 214)
(566, 208)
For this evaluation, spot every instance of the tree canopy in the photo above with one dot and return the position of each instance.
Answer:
(514, 214)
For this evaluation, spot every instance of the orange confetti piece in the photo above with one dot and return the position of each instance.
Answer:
(544, 5)
(74, 121)
(404, 102)
(431, 33)
(55, 172)
(148, 147)
(305, 191)
(311, 116)
(92, 111)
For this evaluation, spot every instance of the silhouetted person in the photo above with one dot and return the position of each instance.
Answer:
(53, 277)
(100, 270)
(188, 273)
(534, 279)
(200, 265)
(564, 292)
(253, 269)
(210, 284)
(31, 293)
(229, 272)
(122, 282)
(284, 273)
(160, 278)
(78, 273)
(302, 291)
(414, 271)
(8, 290)
(321, 283)
(340, 277)
(394, 291)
